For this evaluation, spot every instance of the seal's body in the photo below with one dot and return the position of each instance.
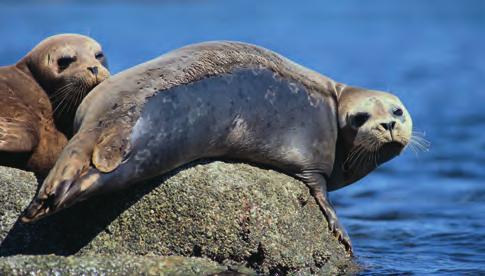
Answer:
(39, 96)
(218, 100)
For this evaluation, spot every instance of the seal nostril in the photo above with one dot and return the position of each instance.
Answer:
(389, 126)
(93, 70)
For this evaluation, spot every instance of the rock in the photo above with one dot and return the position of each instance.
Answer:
(106, 265)
(234, 214)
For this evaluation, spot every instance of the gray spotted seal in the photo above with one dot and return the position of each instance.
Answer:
(225, 100)
(39, 96)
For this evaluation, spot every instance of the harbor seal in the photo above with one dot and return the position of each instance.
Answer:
(39, 96)
(225, 100)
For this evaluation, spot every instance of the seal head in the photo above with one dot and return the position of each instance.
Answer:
(39, 96)
(374, 127)
(67, 67)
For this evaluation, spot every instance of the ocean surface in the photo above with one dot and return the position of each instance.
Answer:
(422, 213)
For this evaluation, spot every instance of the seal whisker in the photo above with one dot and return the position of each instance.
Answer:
(79, 94)
(60, 92)
(72, 96)
(62, 97)
(374, 153)
(84, 91)
(418, 145)
(65, 99)
(356, 163)
(352, 154)
(59, 104)
(73, 100)
(361, 160)
(356, 156)
(420, 142)
(413, 148)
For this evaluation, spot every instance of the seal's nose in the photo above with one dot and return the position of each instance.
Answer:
(389, 126)
(93, 70)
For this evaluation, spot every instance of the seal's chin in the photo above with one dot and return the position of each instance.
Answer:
(390, 150)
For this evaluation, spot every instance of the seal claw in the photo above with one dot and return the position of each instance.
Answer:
(66, 194)
(333, 224)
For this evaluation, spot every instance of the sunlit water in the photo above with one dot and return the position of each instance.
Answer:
(420, 214)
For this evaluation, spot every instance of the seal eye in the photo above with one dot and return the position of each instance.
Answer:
(359, 119)
(64, 62)
(99, 55)
(397, 112)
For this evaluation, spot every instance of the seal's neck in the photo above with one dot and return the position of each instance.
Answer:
(348, 165)
(23, 66)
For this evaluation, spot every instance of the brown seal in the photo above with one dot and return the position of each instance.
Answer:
(225, 100)
(39, 96)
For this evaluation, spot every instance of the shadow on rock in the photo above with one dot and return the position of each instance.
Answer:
(66, 232)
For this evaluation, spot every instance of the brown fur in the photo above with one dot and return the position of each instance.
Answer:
(32, 135)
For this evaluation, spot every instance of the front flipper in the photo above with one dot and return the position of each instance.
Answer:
(17, 136)
(318, 188)
(72, 164)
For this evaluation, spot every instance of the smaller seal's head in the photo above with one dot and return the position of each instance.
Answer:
(374, 127)
(67, 67)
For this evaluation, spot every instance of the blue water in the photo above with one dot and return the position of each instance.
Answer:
(418, 214)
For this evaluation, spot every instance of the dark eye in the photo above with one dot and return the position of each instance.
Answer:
(99, 55)
(64, 62)
(397, 112)
(359, 119)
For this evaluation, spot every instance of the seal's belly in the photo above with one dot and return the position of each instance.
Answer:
(251, 114)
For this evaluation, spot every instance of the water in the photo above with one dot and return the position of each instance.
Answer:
(419, 214)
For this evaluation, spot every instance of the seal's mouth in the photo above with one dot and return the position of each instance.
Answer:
(361, 157)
